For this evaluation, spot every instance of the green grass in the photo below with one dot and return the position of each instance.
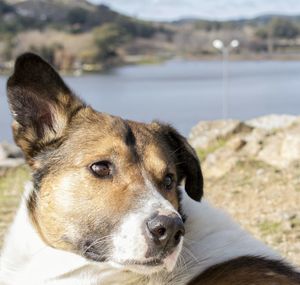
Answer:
(253, 164)
(11, 189)
(269, 227)
(12, 181)
(203, 153)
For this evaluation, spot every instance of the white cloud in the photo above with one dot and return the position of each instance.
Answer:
(209, 9)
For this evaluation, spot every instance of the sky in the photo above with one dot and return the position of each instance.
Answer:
(207, 9)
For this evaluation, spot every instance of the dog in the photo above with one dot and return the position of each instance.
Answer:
(114, 201)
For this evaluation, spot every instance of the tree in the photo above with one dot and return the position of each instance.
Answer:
(77, 16)
(262, 33)
(283, 28)
(46, 52)
(5, 8)
(107, 39)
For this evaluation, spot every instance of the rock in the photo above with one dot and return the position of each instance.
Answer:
(12, 151)
(208, 132)
(254, 142)
(10, 156)
(273, 122)
(222, 160)
(3, 154)
(236, 143)
(274, 140)
(11, 162)
(281, 149)
(219, 163)
(291, 148)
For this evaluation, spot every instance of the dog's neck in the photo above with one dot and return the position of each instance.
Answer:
(211, 238)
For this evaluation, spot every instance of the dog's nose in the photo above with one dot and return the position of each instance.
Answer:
(166, 230)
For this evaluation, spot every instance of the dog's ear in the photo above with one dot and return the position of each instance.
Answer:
(187, 162)
(41, 103)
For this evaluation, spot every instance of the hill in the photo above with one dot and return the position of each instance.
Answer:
(74, 16)
(78, 35)
(47, 27)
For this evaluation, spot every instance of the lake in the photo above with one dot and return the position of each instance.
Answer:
(184, 92)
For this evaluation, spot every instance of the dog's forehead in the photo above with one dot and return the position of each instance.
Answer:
(94, 125)
(93, 133)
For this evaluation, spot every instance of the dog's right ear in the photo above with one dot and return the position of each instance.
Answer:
(186, 161)
(41, 103)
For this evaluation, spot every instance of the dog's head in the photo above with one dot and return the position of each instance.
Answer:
(104, 187)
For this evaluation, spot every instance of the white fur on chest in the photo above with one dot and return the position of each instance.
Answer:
(211, 237)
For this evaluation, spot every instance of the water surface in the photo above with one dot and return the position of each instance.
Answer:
(184, 92)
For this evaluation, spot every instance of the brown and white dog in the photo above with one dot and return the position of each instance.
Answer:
(105, 205)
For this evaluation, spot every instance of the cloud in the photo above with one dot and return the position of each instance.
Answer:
(208, 9)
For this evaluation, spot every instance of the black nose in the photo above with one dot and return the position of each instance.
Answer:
(166, 230)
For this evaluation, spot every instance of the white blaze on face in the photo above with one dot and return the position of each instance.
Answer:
(130, 243)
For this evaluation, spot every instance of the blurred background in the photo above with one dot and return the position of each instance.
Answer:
(215, 69)
(160, 58)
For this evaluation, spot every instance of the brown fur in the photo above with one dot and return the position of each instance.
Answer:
(248, 270)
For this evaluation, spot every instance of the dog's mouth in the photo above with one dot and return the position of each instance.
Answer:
(165, 261)
(94, 256)
(151, 262)
(145, 267)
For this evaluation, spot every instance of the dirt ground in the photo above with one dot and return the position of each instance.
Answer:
(265, 201)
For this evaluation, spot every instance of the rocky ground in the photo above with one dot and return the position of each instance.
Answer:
(251, 169)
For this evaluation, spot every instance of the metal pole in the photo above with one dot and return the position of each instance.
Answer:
(225, 53)
(218, 44)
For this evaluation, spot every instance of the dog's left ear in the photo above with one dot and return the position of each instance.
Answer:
(187, 162)
(42, 106)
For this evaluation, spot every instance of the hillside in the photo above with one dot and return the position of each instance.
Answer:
(73, 16)
(262, 19)
(78, 35)
(69, 33)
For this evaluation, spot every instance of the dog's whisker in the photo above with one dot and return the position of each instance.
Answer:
(98, 241)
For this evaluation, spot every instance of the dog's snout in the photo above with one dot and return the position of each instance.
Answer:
(166, 229)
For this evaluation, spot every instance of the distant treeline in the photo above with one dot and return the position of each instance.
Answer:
(79, 35)
(28, 15)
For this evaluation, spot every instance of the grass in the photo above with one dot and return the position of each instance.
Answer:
(253, 164)
(204, 152)
(12, 182)
(11, 189)
(269, 227)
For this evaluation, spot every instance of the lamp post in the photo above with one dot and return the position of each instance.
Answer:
(218, 44)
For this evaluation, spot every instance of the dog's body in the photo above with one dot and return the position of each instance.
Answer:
(105, 206)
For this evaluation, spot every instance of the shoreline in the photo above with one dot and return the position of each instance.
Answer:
(99, 68)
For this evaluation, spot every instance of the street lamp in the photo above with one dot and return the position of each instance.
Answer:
(218, 44)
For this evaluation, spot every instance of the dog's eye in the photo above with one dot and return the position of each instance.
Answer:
(101, 169)
(168, 181)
